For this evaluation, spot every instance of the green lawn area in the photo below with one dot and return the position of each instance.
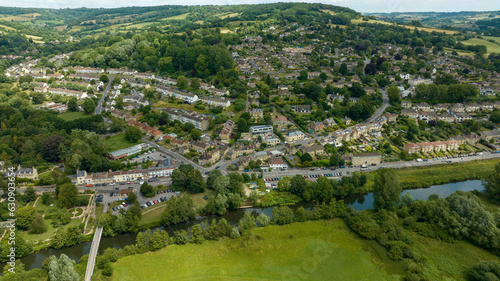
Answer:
(50, 231)
(98, 210)
(320, 250)
(68, 116)
(118, 141)
(198, 197)
(42, 207)
(153, 214)
(492, 47)
(84, 196)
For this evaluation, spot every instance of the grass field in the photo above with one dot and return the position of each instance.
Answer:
(153, 214)
(50, 231)
(428, 29)
(238, 22)
(450, 261)
(329, 12)
(198, 197)
(178, 17)
(60, 27)
(36, 39)
(431, 175)
(492, 47)
(460, 52)
(228, 15)
(7, 27)
(76, 28)
(23, 17)
(68, 116)
(320, 250)
(182, 106)
(139, 25)
(118, 141)
(496, 39)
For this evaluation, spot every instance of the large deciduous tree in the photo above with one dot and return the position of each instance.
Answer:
(386, 189)
(67, 195)
(51, 148)
(492, 185)
(62, 269)
(133, 134)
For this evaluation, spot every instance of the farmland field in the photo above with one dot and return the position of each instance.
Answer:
(492, 47)
(178, 17)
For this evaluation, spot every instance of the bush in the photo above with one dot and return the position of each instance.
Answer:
(363, 224)
(263, 220)
(107, 270)
(235, 233)
(147, 190)
(488, 270)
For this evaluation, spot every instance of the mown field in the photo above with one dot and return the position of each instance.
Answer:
(492, 47)
(320, 250)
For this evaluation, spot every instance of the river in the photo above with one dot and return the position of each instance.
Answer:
(359, 202)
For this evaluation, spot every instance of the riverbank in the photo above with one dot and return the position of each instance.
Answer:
(358, 202)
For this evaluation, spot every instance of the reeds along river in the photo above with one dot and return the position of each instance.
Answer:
(359, 202)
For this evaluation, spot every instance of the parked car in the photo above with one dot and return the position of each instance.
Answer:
(88, 185)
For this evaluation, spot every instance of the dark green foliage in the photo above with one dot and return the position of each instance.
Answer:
(67, 195)
(151, 240)
(179, 209)
(197, 234)
(180, 237)
(486, 270)
(147, 190)
(186, 177)
(29, 194)
(107, 270)
(66, 238)
(133, 134)
(492, 185)
(37, 225)
(283, 215)
(22, 248)
(386, 189)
